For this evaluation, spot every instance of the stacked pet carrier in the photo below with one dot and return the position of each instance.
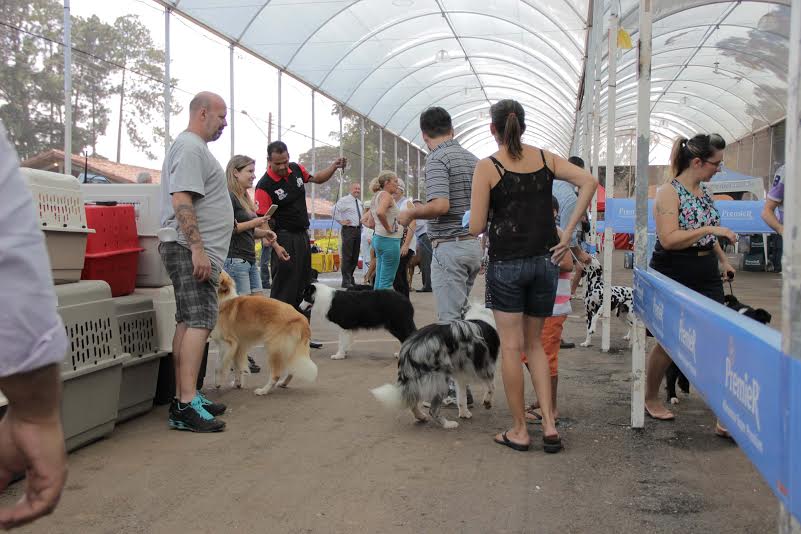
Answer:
(111, 367)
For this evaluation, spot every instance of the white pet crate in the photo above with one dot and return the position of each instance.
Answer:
(59, 208)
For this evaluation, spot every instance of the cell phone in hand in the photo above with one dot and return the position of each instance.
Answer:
(271, 210)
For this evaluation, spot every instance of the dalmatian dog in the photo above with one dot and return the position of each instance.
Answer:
(622, 300)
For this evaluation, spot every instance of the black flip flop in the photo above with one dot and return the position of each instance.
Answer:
(511, 444)
(551, 444)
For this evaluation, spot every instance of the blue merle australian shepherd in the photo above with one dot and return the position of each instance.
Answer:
(464, 350)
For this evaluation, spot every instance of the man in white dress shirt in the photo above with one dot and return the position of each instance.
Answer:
(348, 212)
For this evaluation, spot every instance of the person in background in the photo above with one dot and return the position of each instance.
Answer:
(408, 242)
(195, 203)
(565, 195)
(552, 328)
(144, 177)
(34, 343)
(284, 184)
(388, 233)
(241, 263)
(366, 245)
(773, 215)
(348, 213)
(567, 205)
(424, 251)
(515, 187)
(687, 248)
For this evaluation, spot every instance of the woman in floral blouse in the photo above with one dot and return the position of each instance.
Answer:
(687, 248)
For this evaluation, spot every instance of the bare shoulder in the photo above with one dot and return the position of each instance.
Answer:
(484, 170)
(667, 200)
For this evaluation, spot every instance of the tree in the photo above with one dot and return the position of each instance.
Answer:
(141, 91)
(107, 60)
(29, 96)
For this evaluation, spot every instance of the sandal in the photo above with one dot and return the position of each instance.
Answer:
(668, 417)
(552, 444)
(511, 444)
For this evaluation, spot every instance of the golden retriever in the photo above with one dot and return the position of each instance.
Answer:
(255, 319)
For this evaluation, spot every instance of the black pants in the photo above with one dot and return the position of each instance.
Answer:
(775, 247)
(351, 243)
(424, 251)
(265, 266)
(290, 278)
(401, 282)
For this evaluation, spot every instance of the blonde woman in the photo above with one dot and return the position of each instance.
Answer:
(241, 262)
(387, 238)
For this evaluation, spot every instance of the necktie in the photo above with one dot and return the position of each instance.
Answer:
(358, 213)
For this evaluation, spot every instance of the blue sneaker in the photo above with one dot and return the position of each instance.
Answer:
(214, 408)
(194, 417)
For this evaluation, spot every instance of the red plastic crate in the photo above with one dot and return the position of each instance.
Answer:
(115, 228)
(112, 252)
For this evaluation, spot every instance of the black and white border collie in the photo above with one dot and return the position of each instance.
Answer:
(464, 350)
(674, 375)
(360, 310)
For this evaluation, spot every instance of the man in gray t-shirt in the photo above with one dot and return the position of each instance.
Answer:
(195, 203)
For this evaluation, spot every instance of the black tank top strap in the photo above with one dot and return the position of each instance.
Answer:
(544, 163)
(498, 166)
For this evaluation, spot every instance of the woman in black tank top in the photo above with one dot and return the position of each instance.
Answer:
(511, 200)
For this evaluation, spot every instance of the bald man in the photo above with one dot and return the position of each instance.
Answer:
(195, 203)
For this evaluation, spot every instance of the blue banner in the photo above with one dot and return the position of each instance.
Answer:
(740, 216)
(793, 445)
(737, 366)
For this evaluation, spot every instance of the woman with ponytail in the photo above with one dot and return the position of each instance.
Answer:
(512, 193)
(687, 248)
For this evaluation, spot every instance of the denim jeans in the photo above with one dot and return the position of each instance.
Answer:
(523, 285)
(245, 274)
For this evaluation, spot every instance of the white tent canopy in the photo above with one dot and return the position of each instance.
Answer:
(717, 66)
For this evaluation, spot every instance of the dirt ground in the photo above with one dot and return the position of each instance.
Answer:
(327, 458)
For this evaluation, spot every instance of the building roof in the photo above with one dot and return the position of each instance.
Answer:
(115, 172)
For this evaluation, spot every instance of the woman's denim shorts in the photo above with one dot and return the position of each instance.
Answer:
(522, 285)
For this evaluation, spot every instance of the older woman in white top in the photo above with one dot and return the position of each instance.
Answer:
(388, 233)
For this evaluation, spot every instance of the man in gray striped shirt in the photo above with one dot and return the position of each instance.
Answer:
(456, 254)
(449, 178)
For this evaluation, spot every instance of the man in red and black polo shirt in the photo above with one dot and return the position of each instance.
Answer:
(284, 184)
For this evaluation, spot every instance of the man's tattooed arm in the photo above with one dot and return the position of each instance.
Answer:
(185, 215)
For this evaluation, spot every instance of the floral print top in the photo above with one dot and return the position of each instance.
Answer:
(695, 212)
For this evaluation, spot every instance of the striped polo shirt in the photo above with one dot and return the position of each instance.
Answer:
(449, 174)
